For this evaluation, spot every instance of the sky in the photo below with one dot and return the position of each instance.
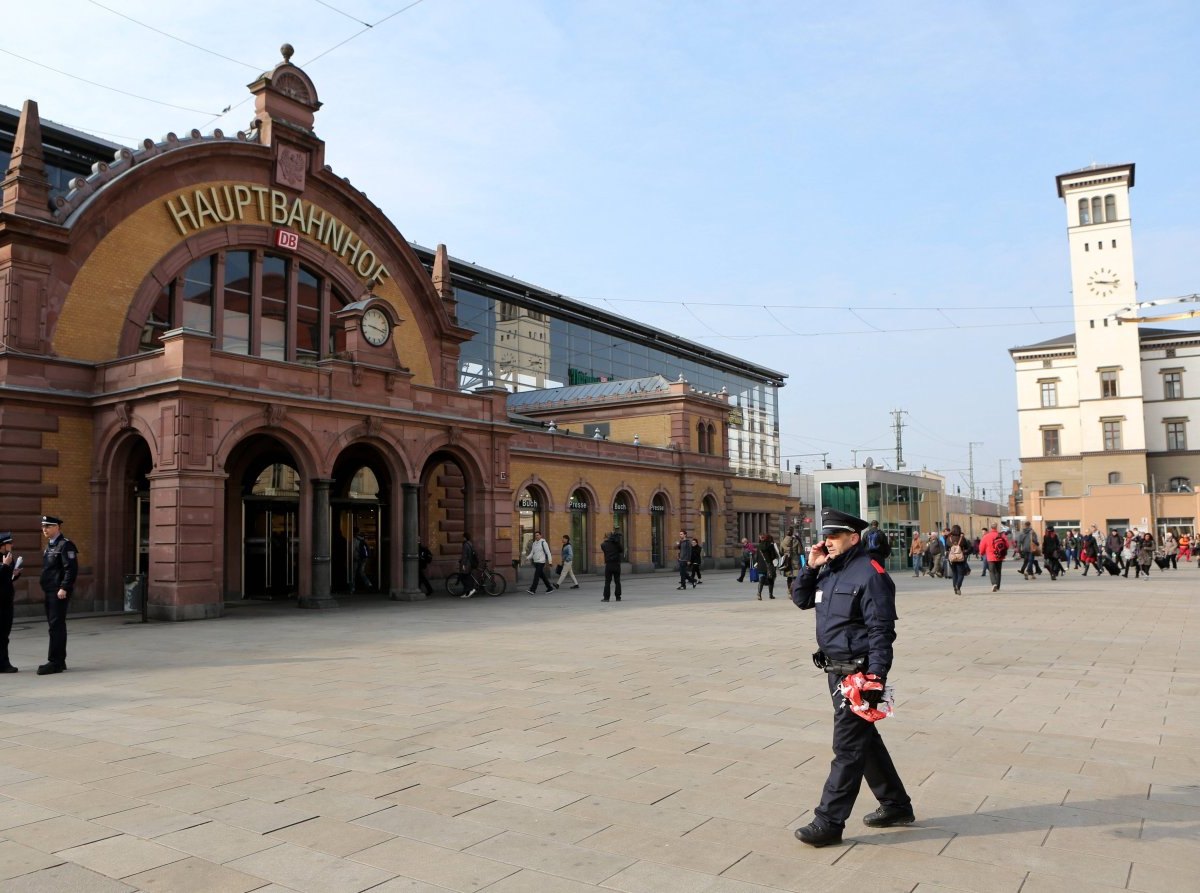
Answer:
(858, 195)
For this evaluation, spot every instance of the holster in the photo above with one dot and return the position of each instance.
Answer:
(840, 667)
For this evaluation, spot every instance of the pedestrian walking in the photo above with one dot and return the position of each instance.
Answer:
(362, 554)
(467, 563)
(1185, 546)
(765, 557)
(60, 567)
(855, 601)
(424, 559)
(683, 560)
(1071, 549)
(567, 556)
(934, 550)
(1027, 544)
(539, 556)
(1145, 555)
(9, 572)
(694, 563)
(1089, 554)
(994, 548)
(916, 553)
(1053, 553)
(747, 558)
(612, 550)
(1171, 549)
(788, 547)
(957, 551)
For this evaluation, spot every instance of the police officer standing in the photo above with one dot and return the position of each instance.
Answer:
(855, 601)
(60, 566)
(612, 549)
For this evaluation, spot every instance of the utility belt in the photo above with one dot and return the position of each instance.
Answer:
(841, 667)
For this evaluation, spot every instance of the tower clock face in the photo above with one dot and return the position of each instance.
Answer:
(375, 327)
(1103, 282)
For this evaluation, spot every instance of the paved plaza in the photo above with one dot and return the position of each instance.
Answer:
(666, 744)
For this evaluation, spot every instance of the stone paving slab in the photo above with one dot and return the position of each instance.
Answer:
(554, 743)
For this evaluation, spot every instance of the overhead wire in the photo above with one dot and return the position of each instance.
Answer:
(343, 12)
(170, 105)
(195, 46)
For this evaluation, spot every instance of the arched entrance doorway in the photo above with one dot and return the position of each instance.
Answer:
(578, 505)
(658, 530)
(621, 507)
(531, 516)
(265, 515)
(360, 500)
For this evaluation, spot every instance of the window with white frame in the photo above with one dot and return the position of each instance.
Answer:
(1050, 443)
(1108, 383)
(1173, 385)
(1049, 393)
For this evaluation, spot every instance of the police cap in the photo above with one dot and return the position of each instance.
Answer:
(5, 538)
(833, 522)
(50, 519)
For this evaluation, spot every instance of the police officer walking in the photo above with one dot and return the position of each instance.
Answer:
(855, 601)
(60, 566)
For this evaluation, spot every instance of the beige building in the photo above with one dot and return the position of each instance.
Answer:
(1104, 411)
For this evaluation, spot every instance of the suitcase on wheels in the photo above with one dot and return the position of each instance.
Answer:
(1162, 562)
(1111, 566)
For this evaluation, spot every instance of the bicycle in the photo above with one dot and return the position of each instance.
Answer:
(485, 578)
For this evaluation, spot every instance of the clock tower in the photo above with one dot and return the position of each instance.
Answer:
(1112, 435)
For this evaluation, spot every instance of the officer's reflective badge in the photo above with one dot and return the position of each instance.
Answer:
(71, 556)
(818, 598)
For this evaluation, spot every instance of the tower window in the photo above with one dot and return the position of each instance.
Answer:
(1054, 488)
(1114, 243)
(1087, 246)
(1114, 477)
(1049, 393)
(1172, 385)
(1097, 210)
(1108, 383)
(1084, 216)
(1050, 444)
(1110, 209)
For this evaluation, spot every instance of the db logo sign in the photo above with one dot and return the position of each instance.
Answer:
(285, 238)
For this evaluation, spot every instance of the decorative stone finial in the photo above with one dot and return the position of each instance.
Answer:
(287, 49)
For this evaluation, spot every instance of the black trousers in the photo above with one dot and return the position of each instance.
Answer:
(539, 573)
(684, 568)
(56, 618)
(6, 622)
(995, 568)
(858, 753)
(612, 574)
(423, 582)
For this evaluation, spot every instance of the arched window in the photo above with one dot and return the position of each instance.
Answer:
(701, 438)
(1114, 477)
(1054, 488)
(251, 293)
(1084, 217)
(1097, 211)
(714, 446)
(1179, 485)
(1110, 208)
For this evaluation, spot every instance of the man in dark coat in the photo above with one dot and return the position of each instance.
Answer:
(685, 561)
(855, 600)
(60, 567)
(612, 549)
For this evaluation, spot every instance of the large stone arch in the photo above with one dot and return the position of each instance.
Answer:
(125, 454)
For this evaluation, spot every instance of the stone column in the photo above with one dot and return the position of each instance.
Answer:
(410, 591)
(321, 595)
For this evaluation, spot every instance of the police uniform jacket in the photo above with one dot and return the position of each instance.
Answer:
(855, 600)
(611, 548)
(60, 566)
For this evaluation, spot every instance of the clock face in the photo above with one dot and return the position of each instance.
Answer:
(375, 327)
(1103, 282)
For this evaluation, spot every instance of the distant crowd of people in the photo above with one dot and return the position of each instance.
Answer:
(947, 553)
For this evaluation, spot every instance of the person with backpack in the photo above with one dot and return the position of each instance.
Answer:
(957, 551)
(994, 548)
(362, 553)
(878, 546)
